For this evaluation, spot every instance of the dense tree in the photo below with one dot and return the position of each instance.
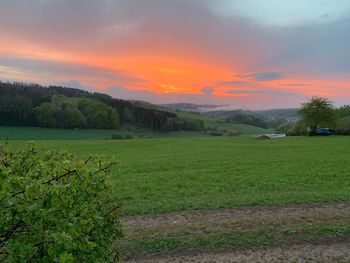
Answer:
(100, 120)
(343, 111)
(16, 111)
(45, 115)
(74, 118)
(98, 114)
(56, 208)
(63, 112)
(343, 126)
(318, 111)
(127, 116)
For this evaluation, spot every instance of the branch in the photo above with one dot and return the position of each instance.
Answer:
(88, 159)
(18, 193)
(42, 243)
(104, 168)
(10, 233)
(61, 176)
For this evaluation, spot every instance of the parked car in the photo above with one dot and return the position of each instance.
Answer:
(324, 131)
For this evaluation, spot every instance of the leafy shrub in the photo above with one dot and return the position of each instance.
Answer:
(55, 208)
(233, 133)
(215, 133)
(293, 128)
(343, 126)
(128, 137)
(117, 137)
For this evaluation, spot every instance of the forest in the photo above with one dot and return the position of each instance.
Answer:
(23, 104)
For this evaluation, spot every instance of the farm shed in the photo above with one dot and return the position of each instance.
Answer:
(270, 136)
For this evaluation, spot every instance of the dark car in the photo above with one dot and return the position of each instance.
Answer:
(324, 131)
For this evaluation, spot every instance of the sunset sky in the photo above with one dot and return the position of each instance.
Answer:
(243, 53)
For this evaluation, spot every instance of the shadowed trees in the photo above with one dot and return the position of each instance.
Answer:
(318, 111)
(23, 104)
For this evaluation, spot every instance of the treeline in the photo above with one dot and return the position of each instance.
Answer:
(249, 119)
(63, 112)
(23, 104)
(341, 125)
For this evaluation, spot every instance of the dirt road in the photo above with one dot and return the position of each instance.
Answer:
(284, 218)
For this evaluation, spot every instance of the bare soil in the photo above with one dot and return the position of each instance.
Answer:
(202, 222)
(327, 253)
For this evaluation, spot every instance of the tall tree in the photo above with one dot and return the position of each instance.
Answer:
(318, 111)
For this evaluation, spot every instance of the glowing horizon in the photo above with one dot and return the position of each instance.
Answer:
(248, 54)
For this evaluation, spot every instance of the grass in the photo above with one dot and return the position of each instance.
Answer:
(36, 133)
(220, 124)
(160, 175)
(163, 175)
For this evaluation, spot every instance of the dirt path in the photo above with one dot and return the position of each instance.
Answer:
(207, 221)
(244, 219)
(337, 252)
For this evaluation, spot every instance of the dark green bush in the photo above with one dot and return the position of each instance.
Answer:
(215, 133)
(233, 133)
(117, 137)
(128, 137)
(55, 208)
(212, 128)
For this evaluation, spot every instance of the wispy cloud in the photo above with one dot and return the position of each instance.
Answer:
(71, 70)
(262, 76)
(208, 91)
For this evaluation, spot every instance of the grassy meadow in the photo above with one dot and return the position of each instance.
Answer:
(37, 133)
(196, 173)
(160, 175)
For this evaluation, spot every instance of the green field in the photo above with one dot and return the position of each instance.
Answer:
(163, 175)
(199, 174)
(36, 133)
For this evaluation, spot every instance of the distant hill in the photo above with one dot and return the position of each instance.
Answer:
(23, 104)
(224, 111)
(192, 107)
(289, 114)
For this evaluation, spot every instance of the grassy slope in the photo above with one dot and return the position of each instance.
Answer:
(212, 121)
(221, 125)
(162, 175)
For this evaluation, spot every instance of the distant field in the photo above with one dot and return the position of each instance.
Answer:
(171, 174)
(36, 133)
(220, 124)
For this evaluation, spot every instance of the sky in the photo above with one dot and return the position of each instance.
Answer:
(252, 54)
